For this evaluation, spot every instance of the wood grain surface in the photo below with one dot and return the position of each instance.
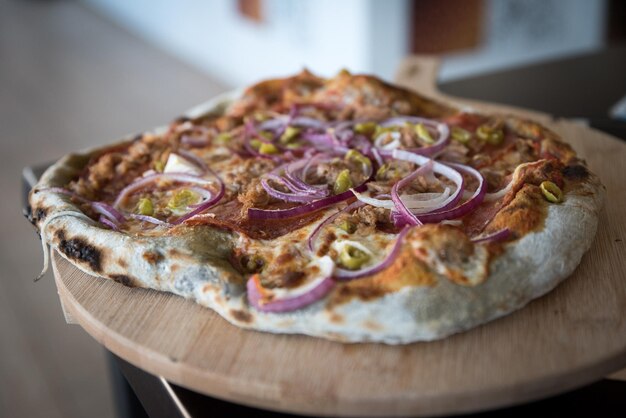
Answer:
(574, 335)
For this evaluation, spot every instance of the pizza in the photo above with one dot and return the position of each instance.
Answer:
(344, 208)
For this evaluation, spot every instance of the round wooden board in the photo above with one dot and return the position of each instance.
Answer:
(574, 335)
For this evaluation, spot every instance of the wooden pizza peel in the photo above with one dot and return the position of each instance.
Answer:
(573, 336)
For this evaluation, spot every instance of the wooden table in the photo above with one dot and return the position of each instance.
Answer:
(571, 337)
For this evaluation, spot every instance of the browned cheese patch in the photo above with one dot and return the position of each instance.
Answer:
(451, 247)
(152, 257)
(241, 316)
(524, 214)
(406, 270)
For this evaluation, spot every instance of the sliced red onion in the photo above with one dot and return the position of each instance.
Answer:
(343, 133)
(112, 225)
(109, 212)
(315, 159)
(296, 188)
(287, 197)
(205, 205)
(262, 214)
(296, 173)
(406, 215)
(343, 274)
(281, 122)
(377, 157)
(150, 219)
(145, 181)
(417, 203)
(328, 220)
(393, 144)
(426, 202)
(497, 236)
(274, 124)
(300, 191)
(316, 290)
(376, 202)
(442, 129)
(464, 208)
(204, 195)
(447, 212)
(322, 138)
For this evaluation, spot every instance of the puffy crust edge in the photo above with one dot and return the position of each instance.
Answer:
(525, 270)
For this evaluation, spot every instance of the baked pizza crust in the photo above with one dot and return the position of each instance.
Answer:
(193, 263)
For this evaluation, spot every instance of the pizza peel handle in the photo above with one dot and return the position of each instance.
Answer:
(419, 74)
(572, 336)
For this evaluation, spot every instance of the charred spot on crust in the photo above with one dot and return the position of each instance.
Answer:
(575, 172)
(81, 250)
(40, 214)
(124, 279)
(241, 316)
(152, 257)
(137, 137)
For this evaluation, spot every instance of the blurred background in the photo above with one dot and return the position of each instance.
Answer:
(76, 74)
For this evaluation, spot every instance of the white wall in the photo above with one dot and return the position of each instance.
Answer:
(518, 32)
(322, 35)
(361, 35)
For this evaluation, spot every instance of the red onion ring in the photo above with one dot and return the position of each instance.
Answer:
(205, 205)
(448, 213)
(328, 220)
(406, 215)
(287, 197)
(263, 214)
(144, 181)
(346, 275)
(295, 188)
(323, 286)
(377, 157)
(193, 142)
(296, 171)
(464, 208)
(442, 129)
(104, 220)
(109, 212)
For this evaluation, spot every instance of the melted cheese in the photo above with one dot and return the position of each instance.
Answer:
(177, 164)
